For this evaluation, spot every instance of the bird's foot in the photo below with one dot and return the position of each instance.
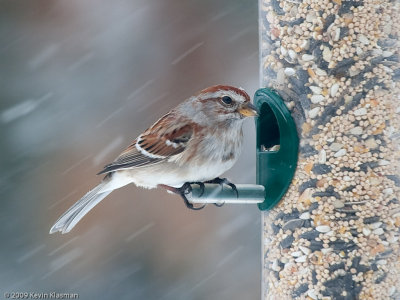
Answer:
(184, 190)
(201, 184)
(221, 182)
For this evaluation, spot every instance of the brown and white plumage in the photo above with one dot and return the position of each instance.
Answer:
(197, 141)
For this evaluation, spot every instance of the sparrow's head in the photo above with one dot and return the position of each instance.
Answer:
(223, 102)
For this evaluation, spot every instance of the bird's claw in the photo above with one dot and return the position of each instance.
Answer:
(186, 189)
(221, 182)
(201, 185)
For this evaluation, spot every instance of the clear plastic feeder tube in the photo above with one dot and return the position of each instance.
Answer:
(335, 234)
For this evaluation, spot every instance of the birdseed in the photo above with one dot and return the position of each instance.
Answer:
(335, 234)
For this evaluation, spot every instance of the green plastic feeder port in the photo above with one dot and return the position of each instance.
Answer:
(277, 146)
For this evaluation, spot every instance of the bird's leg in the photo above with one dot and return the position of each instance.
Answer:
(222, 181)
(183, 191)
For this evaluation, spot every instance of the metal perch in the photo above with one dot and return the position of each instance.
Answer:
(215, 193)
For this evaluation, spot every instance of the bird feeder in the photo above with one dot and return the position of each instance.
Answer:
(277, 147)
(335, 234)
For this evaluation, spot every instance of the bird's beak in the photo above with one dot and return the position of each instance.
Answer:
(248, 110)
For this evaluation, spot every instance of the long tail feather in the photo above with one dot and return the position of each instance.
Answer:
(77, 211)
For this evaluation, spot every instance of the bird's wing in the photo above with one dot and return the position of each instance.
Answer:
(166, 138)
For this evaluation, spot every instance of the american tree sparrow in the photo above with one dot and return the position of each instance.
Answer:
(193, 143)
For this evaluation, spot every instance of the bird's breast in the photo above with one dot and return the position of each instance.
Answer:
(220, 146)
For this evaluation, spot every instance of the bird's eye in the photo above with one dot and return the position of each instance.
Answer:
(227, 100)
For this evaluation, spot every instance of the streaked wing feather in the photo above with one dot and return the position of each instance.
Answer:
(131, 157)
(164, 139)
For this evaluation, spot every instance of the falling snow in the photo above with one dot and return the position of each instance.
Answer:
(80, 80)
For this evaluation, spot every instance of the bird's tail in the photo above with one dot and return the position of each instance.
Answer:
(77, 211)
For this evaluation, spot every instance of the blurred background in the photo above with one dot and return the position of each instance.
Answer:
(79, 80)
